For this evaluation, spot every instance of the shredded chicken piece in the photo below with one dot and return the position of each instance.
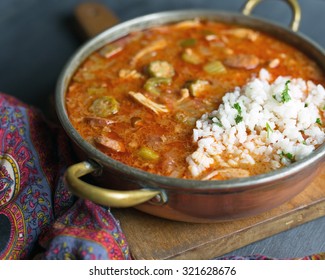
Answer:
(157, 108)
(228, 173)
(110, 51)
(188, 23)
(157, 45)
(111, 142)
(243, 33)
(129, 74)
(185, 94)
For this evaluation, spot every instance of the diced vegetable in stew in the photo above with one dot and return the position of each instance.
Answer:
(161, 69)
(104, 106)
(152, 84)
(146, 153)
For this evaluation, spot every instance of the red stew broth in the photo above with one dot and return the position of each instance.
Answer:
(159, 142)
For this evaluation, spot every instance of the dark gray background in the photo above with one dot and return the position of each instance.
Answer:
(37, 37)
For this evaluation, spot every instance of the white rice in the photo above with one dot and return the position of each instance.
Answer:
(278, 126)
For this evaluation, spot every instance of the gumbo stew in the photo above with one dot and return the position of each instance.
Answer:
(139, 99)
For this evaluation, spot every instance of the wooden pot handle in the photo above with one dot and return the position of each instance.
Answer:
(93, 18)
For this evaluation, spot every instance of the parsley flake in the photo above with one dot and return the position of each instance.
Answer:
(238, 108)
(287, 155)
(285, 97)
(268, 129)
(318, 121)
(238, 119)
(218, 124)
(216, 121)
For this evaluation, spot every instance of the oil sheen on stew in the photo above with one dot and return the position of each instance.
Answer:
(137, 99)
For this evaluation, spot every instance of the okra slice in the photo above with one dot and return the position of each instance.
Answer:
(161, 69)
(104, 106)
(151, 85)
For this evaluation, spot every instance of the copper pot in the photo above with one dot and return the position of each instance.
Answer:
(120, 185)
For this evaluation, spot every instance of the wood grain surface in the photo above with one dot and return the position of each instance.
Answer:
(150, 237)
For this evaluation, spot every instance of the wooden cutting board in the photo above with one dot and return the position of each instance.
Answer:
(150, 237)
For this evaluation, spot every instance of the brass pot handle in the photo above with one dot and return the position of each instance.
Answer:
(294, 5)
(106, 197)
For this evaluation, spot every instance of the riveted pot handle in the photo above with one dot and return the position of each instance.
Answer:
(294, 5)
(106, 197)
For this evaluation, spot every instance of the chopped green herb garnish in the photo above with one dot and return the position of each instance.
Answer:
(238, 119)
(306, 105)
(216, 121)
(318, 121)
(323, 108)
(304, 142)
(287, 155)
(238, 108)
(285, 97)
(268, 129)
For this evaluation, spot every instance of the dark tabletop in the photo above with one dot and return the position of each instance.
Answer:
(37, 37)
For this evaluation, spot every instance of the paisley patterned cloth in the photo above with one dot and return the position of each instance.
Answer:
(38, 215)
